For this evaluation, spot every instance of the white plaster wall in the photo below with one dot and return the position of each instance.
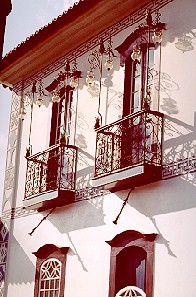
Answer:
(167, 208)
(178, 67)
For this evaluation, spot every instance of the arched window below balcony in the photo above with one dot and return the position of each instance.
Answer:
(50, 271)
(131, 262)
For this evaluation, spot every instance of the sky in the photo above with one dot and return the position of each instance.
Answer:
(26, 17)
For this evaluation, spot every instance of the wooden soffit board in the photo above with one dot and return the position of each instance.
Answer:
(57, 39)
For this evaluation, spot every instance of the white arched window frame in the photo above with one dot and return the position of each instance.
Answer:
(50, 278)
(131, 291)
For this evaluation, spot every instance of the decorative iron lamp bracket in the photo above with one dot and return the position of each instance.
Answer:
(29, 98)
(64, 76)
(95, 60)
(68, 73)
(145, 36)
(141, 34)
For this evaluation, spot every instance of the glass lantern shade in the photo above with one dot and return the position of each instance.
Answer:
(157, 36)
(56, 97)
(136, 54)
(23, 113)
(109, 64)
(90, 79)
(74, 82)
(39, 100)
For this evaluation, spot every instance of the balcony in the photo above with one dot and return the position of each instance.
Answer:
(129, 151)
(51, 177)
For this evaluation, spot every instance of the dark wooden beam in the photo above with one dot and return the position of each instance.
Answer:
(5, 9)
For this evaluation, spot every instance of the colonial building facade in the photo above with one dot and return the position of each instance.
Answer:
(99, 196)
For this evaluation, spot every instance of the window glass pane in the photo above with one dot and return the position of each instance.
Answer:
(151, 58)
(136, 101)
(130, 268)
(139, 77)
(137, 85)
(137, 69)
(47, 284)
(57, 284)
(140, 274)
(52, 284)
(151, 68)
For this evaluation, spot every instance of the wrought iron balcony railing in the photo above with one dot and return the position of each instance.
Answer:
(136, 139)
(50, 170)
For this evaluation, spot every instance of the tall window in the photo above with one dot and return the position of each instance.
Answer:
(50, 277)
(50, 271)
(61, 116)
(131, 268)
(131, 262)
(138, 79)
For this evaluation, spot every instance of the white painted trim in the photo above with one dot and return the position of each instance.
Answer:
(114, 177)
(39, 199)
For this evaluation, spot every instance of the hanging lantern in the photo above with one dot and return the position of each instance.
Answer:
(109, 63)
(74, 82)
(90, 79)
(23, 113)
(39, 100)
(136, 54)
(157, 36)
(56, 97)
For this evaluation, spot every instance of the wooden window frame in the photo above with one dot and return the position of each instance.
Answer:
(129, 80)
(50, 251)
(139, 36)
(127, 239)
(66, 95)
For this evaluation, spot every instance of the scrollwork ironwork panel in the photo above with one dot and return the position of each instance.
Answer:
(135, 139)
(52, 169)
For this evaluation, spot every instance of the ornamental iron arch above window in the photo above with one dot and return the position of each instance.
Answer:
(142, 34)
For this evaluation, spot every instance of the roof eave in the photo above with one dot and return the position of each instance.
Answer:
(68, 31)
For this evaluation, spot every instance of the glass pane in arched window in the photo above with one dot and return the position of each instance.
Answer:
(131, 268)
